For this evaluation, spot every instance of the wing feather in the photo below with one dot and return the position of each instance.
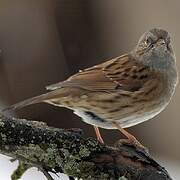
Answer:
(123, 73)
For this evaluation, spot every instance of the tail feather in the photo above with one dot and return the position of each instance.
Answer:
(30, 101)
(24, 103)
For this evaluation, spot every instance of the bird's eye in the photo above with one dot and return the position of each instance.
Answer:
(149, 42)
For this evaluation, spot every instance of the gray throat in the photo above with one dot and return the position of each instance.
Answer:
(165, 64)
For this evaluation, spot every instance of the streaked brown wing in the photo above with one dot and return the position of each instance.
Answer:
(93, 79)
(123, 73)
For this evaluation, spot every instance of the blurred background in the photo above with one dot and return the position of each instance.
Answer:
(46, 41)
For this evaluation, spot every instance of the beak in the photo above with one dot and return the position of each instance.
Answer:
(161, 42)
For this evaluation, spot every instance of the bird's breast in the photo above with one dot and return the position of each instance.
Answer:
(101, 109)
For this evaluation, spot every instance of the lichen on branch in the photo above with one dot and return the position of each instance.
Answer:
(55, 150)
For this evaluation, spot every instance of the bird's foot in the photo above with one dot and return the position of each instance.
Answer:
(100, 139)
(131, 139)
(135, 143)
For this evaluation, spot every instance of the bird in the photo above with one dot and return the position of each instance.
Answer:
(120, 92)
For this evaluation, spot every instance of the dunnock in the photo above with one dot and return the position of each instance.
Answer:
(121, 92)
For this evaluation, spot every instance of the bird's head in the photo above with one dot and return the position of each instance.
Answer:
(154, 49)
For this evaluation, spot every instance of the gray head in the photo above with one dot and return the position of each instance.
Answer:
(154, 49)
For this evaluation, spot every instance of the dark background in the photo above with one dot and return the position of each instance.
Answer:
(45, 41)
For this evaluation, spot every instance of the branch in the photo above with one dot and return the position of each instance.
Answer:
(58, 150)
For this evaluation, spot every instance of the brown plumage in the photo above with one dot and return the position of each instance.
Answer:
(112, 90)
(121, 92)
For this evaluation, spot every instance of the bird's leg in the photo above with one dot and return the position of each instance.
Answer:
(130, 137)
(98, 134)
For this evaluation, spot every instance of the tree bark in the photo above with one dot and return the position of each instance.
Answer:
(66, 151)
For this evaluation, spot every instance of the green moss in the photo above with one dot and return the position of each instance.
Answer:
(75, 167)
(36, 153)
(21, 169)
(84, 152)
(71, 159)
(84, 170)
(92, 144)
(68, 155)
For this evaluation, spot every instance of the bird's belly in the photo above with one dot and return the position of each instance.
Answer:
(132, 120)
(139, 118)
(91, 118)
